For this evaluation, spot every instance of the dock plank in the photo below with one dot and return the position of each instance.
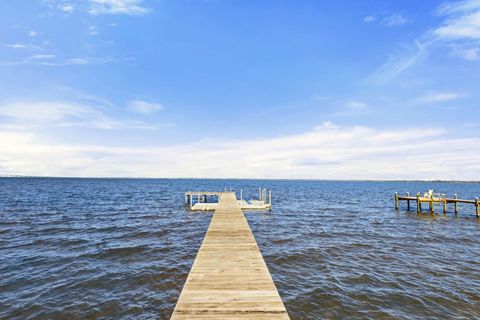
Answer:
(229, 278)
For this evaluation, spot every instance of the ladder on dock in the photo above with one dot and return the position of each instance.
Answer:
(229, 278)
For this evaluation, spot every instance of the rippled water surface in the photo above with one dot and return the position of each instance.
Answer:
(122, 248)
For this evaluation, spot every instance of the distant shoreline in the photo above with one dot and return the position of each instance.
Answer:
(259, 179)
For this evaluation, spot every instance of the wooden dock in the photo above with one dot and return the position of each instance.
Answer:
(229, 278)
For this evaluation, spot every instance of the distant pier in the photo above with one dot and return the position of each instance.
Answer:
(432, 199)
(229, 278)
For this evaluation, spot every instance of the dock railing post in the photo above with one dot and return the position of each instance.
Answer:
(432, 209)
(396, 200)
(408, 201)
(259, 193)
(264, 195)
(444, 203)
(241, 194)
(477, 208)
(270, 197)
(456, 203)
(419, 205)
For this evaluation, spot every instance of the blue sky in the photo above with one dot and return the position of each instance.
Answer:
(229, 88)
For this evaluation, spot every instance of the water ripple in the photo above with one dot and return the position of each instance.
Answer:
(122, 249)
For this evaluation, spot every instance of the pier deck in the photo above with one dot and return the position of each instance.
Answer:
(229, 278)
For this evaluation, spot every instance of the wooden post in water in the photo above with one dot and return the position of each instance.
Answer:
(477, 208)
(408, 201)
(444, 204)
(456, 203)
(396, 200)
(419, 205)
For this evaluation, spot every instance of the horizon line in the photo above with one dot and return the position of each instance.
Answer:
(278, 179)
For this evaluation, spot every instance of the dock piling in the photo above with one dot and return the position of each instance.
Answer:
(396, 200)
(477, 208)
(456, 203)
(419, 205)
(408, 201)
(444, 198)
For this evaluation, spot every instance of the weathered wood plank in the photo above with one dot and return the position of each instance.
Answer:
(229, 278)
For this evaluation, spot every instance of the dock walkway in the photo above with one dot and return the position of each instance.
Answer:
(229, 278)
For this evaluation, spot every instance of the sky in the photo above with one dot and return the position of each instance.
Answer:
(240, 89)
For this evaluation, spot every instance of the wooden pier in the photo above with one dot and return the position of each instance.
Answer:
(229, 278)
(432, 199)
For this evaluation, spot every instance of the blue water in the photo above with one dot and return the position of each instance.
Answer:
(122, 248)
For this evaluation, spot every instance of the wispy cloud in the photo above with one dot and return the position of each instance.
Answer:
(398, 63)
(33, 33)
(472, 54)
(130, 7)
(461, 28)
(51, 60)
(327, 152)
(369, 19)
(356, 105)
(439, 97)
(460, 31)
(42, 56)
(92, 31)
(55, 113)
(22, 46)
(144, 107)
(463, 21)
(394, 20)
(86, 112)
(66, 7)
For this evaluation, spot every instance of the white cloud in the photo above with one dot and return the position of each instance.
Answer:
(472, 54)
(33, 33)
(438, 97)
(42, 56)
(16, 46)
(50, 60)
(22, 46)
(66, 7)
(356, 105)
(37, 113)
(92, 31)
(53, 114)
(369, 19)
(144, 106)
(131, 7)
(463, 21)
(327, 152)
(394, 20)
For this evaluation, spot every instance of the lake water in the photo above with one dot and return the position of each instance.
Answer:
(122, 248)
